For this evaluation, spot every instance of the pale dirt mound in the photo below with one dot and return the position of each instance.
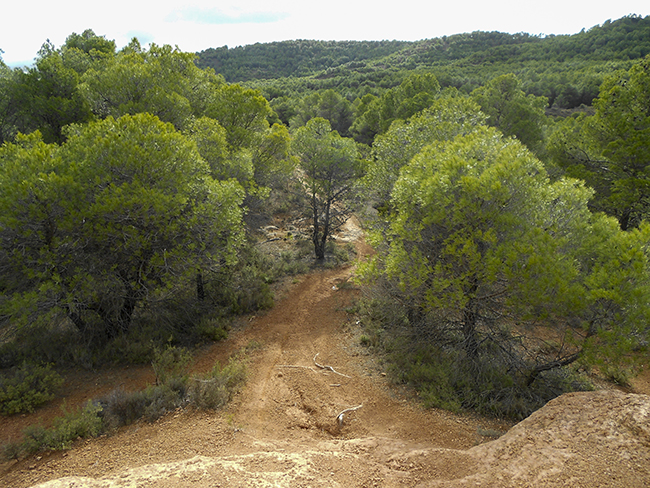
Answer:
(282, 429)
(579, 439)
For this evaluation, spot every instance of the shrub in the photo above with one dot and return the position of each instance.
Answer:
(290, 263)
(83, 424)
(170, 363)
(121, 408)
(42, 345)
(72, 426)
(430, 362)
(29, 387)
(160, 400)
(340, 253)
(212, 329)
(215, 389)
(12, 450)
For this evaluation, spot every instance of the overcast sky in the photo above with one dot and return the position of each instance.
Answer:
(200, 24)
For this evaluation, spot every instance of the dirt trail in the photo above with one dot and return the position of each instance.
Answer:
(282, 429)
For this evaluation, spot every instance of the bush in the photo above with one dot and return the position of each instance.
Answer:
(434, 364)
(291, 263)
(340, 253)
(42, 345)
(242, 289)
(161, 400)
(215, 389)
(27, 388)
(121, 408)
(212, 329)
(170, 363)
(72, 426)
(86, 423)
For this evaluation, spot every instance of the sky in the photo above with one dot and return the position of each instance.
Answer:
(196, 25)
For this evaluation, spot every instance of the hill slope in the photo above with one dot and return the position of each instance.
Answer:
(624, 39)
(282, 430)
(568, 68)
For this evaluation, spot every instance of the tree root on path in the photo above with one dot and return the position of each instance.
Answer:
(339, 417)
(329, 368)
(325, 367)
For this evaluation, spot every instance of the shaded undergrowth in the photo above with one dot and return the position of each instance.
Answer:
(175, 389)
(435, 365)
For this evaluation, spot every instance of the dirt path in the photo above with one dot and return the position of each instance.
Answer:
(282, 429)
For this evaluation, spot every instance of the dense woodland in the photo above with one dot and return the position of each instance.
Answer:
(503, 180)
(566, 69)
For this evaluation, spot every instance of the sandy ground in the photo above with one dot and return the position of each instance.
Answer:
(283, 429)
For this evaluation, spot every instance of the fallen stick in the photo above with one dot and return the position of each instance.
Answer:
(339, 417)
(296, 366)
(329, 368)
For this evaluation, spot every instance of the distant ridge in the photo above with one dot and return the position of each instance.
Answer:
(624, 39)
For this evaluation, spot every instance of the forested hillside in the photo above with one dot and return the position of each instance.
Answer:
(503, 179)
(291, 58)
(624, 39)
(567, 69)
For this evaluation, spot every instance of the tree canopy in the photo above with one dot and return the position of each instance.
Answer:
(610, 149)
(481, 242)
(123, 211)
(331, 167)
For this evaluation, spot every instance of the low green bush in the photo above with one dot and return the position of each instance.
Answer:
(215, 389)
(170, 363)
(119, 408)
(27, 387)
(83, 424)
(40, 344)
(438, 369)
(213, 329)
(72, 426)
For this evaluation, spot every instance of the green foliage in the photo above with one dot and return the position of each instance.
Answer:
(328, 105)
(46, 97)
(27, 388)
(272, 164)
(43, 344)
(413, 95)
(441, 376)
(216, 388)
(511, 111)
(170, 364)
(210, 139)
(244, 287)
(331, 168)
(481, 243)
(212, 329)
(446, 118)
(610, 149)
(161, 81)
(566, 69)
(123, 210)
(72, 426)
(290, 58)
(89, 44)
(242, 112)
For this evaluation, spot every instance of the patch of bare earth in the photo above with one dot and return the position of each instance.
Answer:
(283, 429)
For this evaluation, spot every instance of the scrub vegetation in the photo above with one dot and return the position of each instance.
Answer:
(502, 179)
